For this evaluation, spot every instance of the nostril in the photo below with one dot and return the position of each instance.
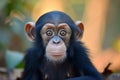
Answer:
(56, 42)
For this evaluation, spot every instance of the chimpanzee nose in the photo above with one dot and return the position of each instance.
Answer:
(56, 40)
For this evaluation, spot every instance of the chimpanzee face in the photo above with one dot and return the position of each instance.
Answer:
(56, 39)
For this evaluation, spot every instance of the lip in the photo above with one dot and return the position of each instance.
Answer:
(56, 53)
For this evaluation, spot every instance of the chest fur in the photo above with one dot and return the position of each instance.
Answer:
(57, 71)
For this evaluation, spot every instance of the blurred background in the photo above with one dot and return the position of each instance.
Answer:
(101, 19)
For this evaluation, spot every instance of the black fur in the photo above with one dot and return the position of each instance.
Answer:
(77, 63)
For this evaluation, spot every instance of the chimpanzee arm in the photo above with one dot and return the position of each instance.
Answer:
(31, 70)
(82, 62)
(90, 73)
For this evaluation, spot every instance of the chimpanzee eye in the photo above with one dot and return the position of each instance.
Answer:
(62, 32)
(49, 32)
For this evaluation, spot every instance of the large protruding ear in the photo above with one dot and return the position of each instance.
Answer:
(81, 29)
(29, 30)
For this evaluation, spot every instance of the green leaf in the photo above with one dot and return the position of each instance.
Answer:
(13, 58)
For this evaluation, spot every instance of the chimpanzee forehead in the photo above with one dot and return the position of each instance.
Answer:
(54, 17)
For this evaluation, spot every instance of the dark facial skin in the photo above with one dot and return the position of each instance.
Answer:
(62, 30)
(56, 39)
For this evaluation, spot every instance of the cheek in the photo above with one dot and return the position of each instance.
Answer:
(56, 52)
(67, 40)
(45, 39)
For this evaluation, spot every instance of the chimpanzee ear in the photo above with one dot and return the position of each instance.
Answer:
(80, 25)
(29, 30)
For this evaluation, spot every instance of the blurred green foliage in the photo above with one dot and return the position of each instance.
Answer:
(75, 8)
(13, 16)
(13, 58)
(112, 31)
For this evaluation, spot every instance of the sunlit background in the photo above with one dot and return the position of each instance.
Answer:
(101, 19)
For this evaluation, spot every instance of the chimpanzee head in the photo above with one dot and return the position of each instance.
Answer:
(54, 31)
